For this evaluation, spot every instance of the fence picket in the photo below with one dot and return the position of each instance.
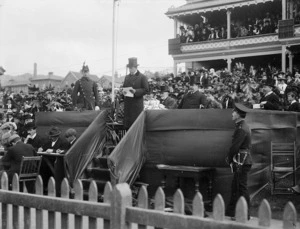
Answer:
(9, 210)
(159, 201)
(219, 208)
(4, 186)
(65, 193)
(41, 215)
(93, 197)
(78, 196)
(289, 216)
(54, 218)
(143, 202)
(18, 211)
(107, 198)
(198, 206)
(178, 202)
(264, 214)
(241, 210)
(122, 198)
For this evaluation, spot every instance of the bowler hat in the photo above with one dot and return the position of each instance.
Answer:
(132, 62)
(30, 126)
(54, 131)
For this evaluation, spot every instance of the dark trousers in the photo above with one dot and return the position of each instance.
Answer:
(239, 188)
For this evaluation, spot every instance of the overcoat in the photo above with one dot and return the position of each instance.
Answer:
(85, 94)
(133, 106)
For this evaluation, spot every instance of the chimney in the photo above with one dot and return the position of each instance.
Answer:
(50, 74)
(34, 70)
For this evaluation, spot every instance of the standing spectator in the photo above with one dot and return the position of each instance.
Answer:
(197, 33)
(88, 98)
(190, 34)
(239, 159)
(193, 99)
(138, 86)
(182, 34)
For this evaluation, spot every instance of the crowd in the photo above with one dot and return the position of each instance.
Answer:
(204, 30)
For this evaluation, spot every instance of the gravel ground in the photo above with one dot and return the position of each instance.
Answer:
(277, 201)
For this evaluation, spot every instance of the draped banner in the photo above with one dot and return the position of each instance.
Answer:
(200, 138)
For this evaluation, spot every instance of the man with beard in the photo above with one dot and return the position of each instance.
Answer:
(166, 100)
(134, 88)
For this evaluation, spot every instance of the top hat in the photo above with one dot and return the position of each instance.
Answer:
(54, 131)
(132, 62)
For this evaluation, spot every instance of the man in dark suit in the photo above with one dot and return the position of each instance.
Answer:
(294, 104)
(136, 85)
(12, 159)
(270, 101)
(55, 144)
(193, 99)
(85, 95)
(32, 138)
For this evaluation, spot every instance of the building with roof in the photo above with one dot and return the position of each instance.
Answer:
(279, 46)
(72, 77)
(50, 80)
(17, 86)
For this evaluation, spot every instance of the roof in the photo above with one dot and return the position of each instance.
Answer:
(13, 83)
(78, 75)
(47, 77)
(199, 6)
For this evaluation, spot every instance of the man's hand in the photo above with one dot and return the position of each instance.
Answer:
(132, 91)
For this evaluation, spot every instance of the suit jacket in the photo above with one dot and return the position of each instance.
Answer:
(14, 155)
(133, 106)
(193, 100)
(88, 96)
(36, 142)
(294, 107)
(59, 144)
(273, 102)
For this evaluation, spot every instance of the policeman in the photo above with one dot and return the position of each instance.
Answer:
(239, 159)
(85, 95)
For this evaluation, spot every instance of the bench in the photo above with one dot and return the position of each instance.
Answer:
(194, 172)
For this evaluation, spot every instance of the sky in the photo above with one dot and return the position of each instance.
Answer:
(59, 35)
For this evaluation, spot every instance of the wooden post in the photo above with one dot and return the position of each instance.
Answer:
(283, 10)
(283, 58)
(143, 202)
(93, 197)
(228, 24)
(120, 200)
(107, 198)
(78, 196)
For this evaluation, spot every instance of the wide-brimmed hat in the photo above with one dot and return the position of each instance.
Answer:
(13, 137)
(241, 109)
(30, 126)
(54, 131)
(132, 62)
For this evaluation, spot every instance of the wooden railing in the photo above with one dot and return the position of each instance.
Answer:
(23, 210)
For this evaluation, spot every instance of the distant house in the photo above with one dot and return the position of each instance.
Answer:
(50, 80)
(72, 77)
(106, 82)
(17, 86)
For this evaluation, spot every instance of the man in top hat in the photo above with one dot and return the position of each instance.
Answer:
(85, 94)
(239, 159)
(269, 101)
(193, 99)
(136, 85)
(166, 100)
(12, 159)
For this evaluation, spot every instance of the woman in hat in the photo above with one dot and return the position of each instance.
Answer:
(137, 86)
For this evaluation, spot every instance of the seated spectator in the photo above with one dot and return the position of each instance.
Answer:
(223, 33)
(193, 99)
(281, 83)
(166, 100)
(269, 101)
(294, 105)
(12, 159)
(71, 136)
(32, 138)
(267, 28)
(256, 30)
